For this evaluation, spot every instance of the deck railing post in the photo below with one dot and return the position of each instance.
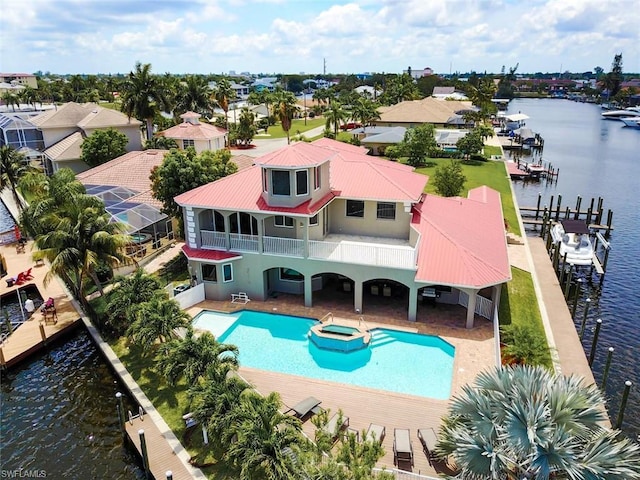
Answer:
(143, 451)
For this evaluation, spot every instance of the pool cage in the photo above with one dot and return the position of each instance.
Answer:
(128, 207)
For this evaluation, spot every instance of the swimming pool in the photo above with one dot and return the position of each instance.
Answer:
(395, 361)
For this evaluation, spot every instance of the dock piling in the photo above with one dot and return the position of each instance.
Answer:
(578, 203)
(558, 207)
(121, 419)
(169, 475)
(576, 297)
(585, 312)
(145, 456)
(538, 204)
(567, 287)
(623, 403)
(594, 344)
(605, 374)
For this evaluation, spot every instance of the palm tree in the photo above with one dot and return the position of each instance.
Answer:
(79, 237)
(335, 115)
(193, 95)
(525, 422)
(263, 97)
(223, 95)
(12, 168)
(264, 436)
(160, 143)
(157, 319)
(365, 111)
(214, 401)
(285, 106)
(130, 292)
(192, 356)
(142, 96)
(10, 99)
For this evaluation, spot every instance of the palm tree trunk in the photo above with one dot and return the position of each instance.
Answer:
(97, 282)
(149, 128)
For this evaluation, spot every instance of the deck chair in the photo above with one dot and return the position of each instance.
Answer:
(309, 405)
(27, 274)
(402, 449)
(335, 425)
(240, 297)
(428, 439)
(375, 432)
(20, 279)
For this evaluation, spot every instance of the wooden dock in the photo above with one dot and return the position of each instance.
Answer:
(160, 454)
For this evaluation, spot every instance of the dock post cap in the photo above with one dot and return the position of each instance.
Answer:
(141, 431)
(118, 394)
(611, 349)
(628, 383)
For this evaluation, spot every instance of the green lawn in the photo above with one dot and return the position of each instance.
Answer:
(297, 127)
(490, 173)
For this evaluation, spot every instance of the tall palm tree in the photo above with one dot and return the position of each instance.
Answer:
(193, 95)
(130, 292)
(263, 97)
(365, 111)
(223, 95)
(285, 106)
(214, 401)
(264, 436)
(191, 356)
(12, 168)
(157, 319)
(142, 96)
(79, 238)
(335, 115)
(525, 422)
(10, 99)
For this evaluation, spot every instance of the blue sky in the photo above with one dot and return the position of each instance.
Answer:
(295, 36)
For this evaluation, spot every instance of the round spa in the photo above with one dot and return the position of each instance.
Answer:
(343, 338)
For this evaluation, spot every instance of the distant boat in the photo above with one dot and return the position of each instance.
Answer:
(633, 122)
(618, 114)
(574, 241)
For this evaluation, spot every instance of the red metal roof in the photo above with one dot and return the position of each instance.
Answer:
(353, 175)
(210, 255)
(298, 155)
(189, 131)
(462, 241)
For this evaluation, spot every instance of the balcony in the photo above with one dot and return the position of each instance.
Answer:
(381, 252)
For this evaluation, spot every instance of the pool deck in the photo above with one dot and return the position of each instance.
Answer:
(474, 353)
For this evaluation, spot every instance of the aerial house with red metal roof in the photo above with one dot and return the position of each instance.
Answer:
(311, 216)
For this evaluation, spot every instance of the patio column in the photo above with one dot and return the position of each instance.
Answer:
(357, 295)
(413, 303)
(260, 223)
(308, 290)
(495, 298)
(471, 308)
(305, 237)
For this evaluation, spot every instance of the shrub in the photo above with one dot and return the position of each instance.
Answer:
(524, 344)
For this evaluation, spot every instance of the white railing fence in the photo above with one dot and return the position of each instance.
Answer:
(283, 246)
(484, 306)
(209, 238)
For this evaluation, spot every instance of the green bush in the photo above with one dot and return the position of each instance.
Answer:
(523, 344)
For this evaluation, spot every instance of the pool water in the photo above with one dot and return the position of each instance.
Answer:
(395, 361)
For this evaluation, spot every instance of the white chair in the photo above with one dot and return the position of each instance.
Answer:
(240, 297)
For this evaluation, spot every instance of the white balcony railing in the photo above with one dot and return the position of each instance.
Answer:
(343, 251)
(484, 306)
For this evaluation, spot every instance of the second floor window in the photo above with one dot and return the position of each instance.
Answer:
(280, 182)
(302, 183)
(188, 143)
(355, 208)
(386, 210)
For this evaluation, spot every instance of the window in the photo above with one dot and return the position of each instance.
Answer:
(282, 221)
(291, 275)
(209, 273)
(355, 208)
(281, 183)
(317, 176)
(265, 180)
(387, 210)
(314, 220)
(302, 183)
(188, 143)
(227, 272)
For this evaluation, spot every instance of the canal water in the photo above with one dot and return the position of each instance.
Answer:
(598, 158)
(59, 417)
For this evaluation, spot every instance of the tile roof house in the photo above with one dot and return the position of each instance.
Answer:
(312, 215)
(416, 112)
(71, 123)
(192, 133)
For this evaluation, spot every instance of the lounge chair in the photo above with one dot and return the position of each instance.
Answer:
(335, 425)
(27, 274)
(402, 449)
(305, 407)
(240, 297)
(375, 432)
(428, 439)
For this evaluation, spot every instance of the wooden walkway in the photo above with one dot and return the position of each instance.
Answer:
(33, 334)
(161, 456)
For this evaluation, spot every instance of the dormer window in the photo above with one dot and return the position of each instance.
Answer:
(280, 182)
(302, 182)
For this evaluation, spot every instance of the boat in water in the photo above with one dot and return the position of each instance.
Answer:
(624, 113)
(575, 243)
(633, 122)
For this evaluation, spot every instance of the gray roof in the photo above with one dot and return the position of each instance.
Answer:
(392, 135)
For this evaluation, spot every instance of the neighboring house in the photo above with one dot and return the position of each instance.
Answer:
(192, 133)
(425, 72)
(313, 216)
(377, 139)
(71, 123)
(24, 79)
(444, 93)
(368, 91)
(124, 186)
(416, 112)
(18, 132)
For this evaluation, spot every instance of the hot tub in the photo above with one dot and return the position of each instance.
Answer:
(342, 338)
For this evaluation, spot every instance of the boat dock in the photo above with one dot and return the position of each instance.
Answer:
(519, 169)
